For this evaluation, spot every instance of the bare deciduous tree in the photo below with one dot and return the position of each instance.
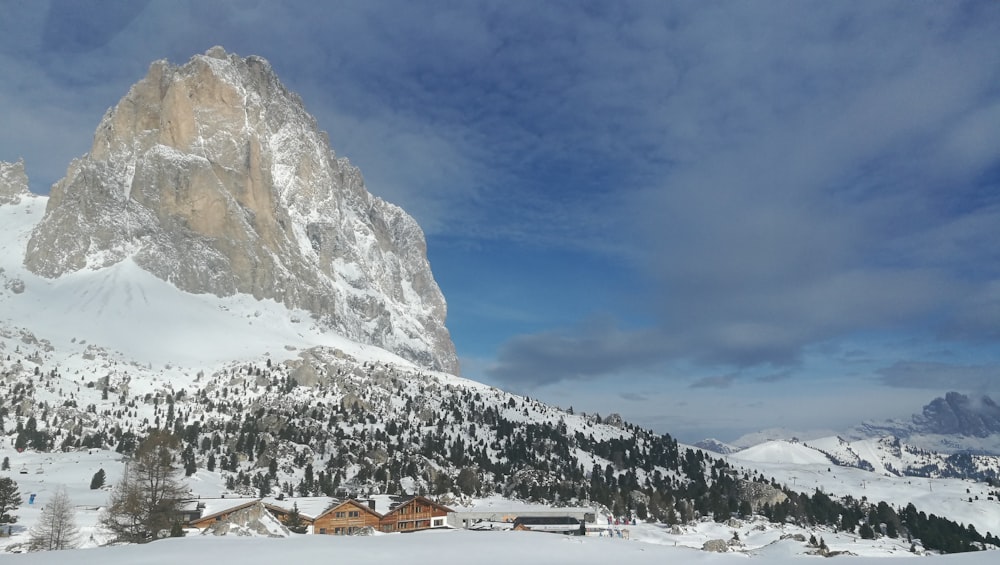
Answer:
(56, 529)
(145, 503)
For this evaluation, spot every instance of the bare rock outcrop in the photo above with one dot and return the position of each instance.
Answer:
(13, 182)
(212, 176)
(715, 546)
(758, 494)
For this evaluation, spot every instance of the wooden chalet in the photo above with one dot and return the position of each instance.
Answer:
(414, 513)
(409, 515)
(346, 518)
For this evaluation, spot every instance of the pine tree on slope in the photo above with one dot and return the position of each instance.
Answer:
(10, 499)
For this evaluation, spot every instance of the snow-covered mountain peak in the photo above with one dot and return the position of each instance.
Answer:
(213, 177)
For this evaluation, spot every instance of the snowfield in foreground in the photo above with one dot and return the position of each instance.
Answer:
(440, 547)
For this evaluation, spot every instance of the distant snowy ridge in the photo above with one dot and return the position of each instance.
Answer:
(885, 456)
(960, 428)
(716, 446)
(213, 177)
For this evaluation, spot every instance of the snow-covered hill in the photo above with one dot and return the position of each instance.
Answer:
(807, 467)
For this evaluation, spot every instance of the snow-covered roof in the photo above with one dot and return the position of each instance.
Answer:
(309, 506)
(214, 506)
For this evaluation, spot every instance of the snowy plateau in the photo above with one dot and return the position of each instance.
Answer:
(272, 402)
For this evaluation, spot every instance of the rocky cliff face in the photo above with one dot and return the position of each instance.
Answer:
(212, 176)
(13, 182)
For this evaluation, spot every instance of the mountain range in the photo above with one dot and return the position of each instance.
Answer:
(953, 423)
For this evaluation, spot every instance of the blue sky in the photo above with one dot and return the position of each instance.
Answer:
(710, 217)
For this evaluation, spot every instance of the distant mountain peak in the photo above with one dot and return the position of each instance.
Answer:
(212, 176)
(716, 446)
(958, 414)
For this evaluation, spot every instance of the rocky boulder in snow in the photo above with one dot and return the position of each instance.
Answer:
(716, 546)
(758, 494)
(212, 176)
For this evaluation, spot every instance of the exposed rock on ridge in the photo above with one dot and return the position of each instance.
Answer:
(13, 182)
(212, 176)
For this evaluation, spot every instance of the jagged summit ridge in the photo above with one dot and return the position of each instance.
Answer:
(959, 414)
(212, 176)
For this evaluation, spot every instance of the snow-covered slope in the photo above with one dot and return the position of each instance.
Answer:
(647, 544)
(782, 452)
(807, 467)
(134, 317)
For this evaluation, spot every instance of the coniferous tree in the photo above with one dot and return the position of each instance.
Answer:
(468, 481)
(177, 530)
(295, 522)
(97, 481)
(10, 500)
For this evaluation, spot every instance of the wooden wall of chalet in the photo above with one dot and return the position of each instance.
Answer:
(416, 514)
(346, 518)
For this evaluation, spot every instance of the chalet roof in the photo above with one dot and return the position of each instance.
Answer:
(350, 503)
(309, 506)
(495, 505)
(384, 502)
(219, 506)
(417, 498)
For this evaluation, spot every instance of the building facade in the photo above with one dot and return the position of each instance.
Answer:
(346, 518)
